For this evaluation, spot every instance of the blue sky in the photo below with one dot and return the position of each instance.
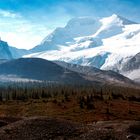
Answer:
(24, 23)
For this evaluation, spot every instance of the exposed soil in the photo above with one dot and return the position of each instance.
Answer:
(44, 128)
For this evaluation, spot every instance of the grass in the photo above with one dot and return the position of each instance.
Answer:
(70, 110)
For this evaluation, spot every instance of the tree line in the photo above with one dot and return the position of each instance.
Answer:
(84, 94)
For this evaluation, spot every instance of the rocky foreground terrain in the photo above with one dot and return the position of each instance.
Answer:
(43, 128)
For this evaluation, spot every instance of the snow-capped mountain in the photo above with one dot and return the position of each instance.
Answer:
(76, 27)
(82, 27)
(107, 43)
(4, 51)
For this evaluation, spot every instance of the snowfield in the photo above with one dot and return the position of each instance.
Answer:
(106, 44)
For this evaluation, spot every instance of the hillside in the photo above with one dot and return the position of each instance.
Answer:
(36, 69)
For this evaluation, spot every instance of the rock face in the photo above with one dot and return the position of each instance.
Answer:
(4, 51)
(131, 68)
(132, 64)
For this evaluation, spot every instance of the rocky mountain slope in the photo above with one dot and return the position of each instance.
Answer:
(96, 74)
(132, 68)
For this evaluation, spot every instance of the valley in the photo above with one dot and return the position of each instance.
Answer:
(82, 81)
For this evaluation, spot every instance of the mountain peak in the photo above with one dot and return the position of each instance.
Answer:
(82, 26)
(76, 27)
(82, 21)
(4, 50)
(116, 19)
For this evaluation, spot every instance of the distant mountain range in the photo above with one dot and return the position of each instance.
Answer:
(8, 52)
(5, 52)
(110, 43)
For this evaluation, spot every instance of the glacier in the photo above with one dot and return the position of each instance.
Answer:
(105, 43)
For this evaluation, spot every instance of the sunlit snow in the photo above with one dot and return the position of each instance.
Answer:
(115, 36)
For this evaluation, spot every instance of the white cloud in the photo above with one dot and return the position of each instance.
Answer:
(20, 32)
(8, 14)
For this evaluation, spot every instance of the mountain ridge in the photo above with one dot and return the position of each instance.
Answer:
(115, 41)
(106, 44)
(43, 70)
